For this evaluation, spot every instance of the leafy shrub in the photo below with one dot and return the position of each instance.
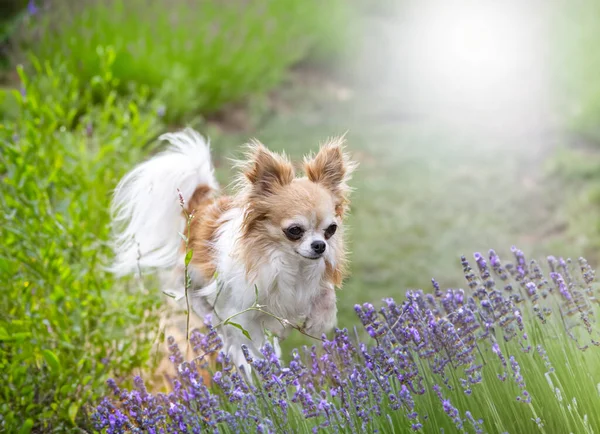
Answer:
(515, 353)
(64, 325)
(195, 55)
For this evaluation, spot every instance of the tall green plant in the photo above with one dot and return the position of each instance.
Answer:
(64, 324)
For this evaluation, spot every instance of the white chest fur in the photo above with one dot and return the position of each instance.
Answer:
(295, 282)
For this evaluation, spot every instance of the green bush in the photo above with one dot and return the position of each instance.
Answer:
(196, 56)
(65, 326)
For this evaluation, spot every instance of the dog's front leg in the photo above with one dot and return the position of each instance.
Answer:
(323, 312)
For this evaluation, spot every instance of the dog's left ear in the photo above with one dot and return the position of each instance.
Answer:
(332, 168)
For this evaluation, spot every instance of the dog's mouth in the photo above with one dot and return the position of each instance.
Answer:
(312, 257)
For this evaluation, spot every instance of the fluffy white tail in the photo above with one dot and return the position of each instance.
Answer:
(146, 211)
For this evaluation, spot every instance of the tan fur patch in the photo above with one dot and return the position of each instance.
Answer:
(336, 275)
(206, 221)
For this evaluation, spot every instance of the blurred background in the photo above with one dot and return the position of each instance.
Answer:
(476, 125)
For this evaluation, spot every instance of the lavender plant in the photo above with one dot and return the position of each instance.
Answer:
(514, 352)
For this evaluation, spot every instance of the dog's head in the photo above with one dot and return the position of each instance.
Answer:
(300, 216)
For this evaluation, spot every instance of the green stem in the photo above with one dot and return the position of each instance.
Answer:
(187, 279)
(258, 308)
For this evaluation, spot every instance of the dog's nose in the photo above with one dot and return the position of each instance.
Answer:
(318, 246)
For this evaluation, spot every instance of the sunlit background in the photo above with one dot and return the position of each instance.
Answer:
(465, 59)
(476, 125)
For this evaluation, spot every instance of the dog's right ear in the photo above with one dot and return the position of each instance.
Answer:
(266, 171)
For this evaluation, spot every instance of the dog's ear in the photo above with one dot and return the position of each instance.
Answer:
(332, 168)
(266, 171)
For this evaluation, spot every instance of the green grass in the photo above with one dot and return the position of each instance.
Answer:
(576, 64)
(578, 167)
(194, 56)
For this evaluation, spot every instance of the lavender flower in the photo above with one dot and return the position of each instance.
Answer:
(449, 409)
(448, 339)
(32, 9)
(562, 286)
(526, 398)
(181, 199)
(89, 129)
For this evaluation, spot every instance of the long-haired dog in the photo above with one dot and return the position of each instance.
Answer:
(278, 240)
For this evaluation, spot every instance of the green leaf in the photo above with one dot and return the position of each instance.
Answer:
(188, 257)
(238, 326)
(183, 237)
(96, 81)
(255, 294)
(170, 294)
(73, 409)
(51, 360)
(21, 336)
(26, 428)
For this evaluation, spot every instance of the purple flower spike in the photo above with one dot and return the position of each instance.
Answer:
(531, 288)
(32, 9)
(480, 261)
(562, 286)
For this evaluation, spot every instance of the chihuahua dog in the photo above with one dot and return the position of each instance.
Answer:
(278, 241)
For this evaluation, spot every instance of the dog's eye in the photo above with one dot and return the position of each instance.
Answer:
(330, 231)
(294, 233)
